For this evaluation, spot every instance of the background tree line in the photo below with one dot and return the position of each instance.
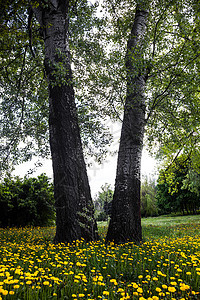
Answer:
(30, 201)
(177, 190)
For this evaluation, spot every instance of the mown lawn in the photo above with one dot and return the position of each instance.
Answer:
(165, 266)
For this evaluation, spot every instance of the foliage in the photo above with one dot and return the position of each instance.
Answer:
(103, 203)
(171, 65)
(174, 190)
(173, 107)
(23, 87)
(148, 200)
(164, 266)
(27, 201)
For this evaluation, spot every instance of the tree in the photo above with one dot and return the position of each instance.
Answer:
(162, 71)
(175, 189)
(125, 223)
(148, 198)
(74, 207)
(103, 203)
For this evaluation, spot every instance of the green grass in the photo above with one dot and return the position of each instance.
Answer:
(170, 221)
(170, 226)
(165, 266)
(163, 226)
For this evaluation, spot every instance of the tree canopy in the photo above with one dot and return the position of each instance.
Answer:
(171, 58)
(24, 92)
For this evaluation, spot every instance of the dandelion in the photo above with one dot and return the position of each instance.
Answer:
(171, 289)
(106, 293)
(140, 290)
(164, 286)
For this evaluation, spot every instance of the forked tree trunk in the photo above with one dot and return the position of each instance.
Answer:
(125, 223)
(74, 206)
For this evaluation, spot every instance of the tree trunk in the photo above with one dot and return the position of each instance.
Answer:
(125, 223)
(74, 206)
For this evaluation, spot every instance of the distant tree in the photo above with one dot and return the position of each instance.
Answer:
(103, 203)
(148, 198)
(174, 191)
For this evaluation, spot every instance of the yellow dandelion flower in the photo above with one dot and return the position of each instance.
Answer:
(171, 289)
(164, 286)
(140, 290)
(16, 286)
(11, 292)
(155, 278)
(4, 292)
(105, 293)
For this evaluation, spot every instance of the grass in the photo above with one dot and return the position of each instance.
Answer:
(170, 226)
(165, 266)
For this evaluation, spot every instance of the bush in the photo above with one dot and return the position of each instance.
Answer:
(27, 201)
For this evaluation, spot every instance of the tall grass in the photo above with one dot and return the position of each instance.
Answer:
(165, 266)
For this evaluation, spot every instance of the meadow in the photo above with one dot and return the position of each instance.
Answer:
(165, 266)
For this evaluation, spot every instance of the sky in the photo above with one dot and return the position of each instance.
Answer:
(98, 174)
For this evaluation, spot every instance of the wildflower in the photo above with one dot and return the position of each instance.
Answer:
(155, 278)
(188, 273)
(114, 281)
(16, 286)
(171, 289)
(140, 290)
(4, 292)
(184, 287)
(164, 286)
(105, 293)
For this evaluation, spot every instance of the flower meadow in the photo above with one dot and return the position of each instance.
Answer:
(32, 267)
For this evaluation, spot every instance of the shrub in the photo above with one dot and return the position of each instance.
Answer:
(27, 201)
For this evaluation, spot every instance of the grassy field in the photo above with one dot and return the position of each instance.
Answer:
(165, 266)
